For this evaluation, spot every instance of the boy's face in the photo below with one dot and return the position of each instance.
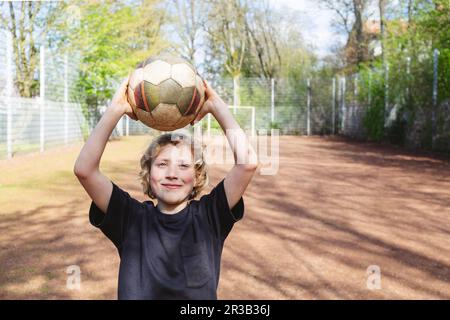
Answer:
(172, 175)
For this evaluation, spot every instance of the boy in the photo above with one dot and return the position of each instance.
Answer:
(171, 250)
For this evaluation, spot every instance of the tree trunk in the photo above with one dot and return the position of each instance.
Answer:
(24, 28)
(359, 7)
(381, 7)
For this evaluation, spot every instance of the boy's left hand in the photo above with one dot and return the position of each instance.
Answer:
(212, 104)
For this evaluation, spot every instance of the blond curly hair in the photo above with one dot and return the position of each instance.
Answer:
(174, 138)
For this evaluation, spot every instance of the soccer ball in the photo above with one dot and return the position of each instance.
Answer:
(166, 92)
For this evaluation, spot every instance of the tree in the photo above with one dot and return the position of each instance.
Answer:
(343, 9)
(382, 8)
(188, 22)
(358, 9)
(351, 19)
(29, 24)
(111, 38)
(227, 34)
(264, 39)
(432, 24)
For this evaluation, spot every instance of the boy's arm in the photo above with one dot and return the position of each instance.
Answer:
(245, 158)
(86, 167)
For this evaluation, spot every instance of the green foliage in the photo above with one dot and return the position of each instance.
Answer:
(408, 51)
(444, 74)
(255, 92)
(111, 38)
(274, 125)
(373, 121)
(85, 131)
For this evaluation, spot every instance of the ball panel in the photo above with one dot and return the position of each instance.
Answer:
(157, 71)
(173, 60)
(183, 74)
(139, 98)
(136, 78)
(145, 117)
(194, 103)
(185, 99)
(166, 114)
(184, 121)
(151, 95)
(200, 105)
(169, 91)
(148, 120)
(200, 85)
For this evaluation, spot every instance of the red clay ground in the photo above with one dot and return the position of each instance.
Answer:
(310, 232)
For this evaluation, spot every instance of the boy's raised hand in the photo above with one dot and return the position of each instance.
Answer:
(120, 99)
(213, 102)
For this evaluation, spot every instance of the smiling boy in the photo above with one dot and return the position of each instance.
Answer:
(171, 250)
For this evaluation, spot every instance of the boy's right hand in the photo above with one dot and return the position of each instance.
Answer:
(120, 100)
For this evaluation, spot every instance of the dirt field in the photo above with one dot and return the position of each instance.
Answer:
(335, 208)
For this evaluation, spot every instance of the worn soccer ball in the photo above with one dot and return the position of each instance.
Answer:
(166, 92)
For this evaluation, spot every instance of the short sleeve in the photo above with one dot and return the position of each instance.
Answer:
(221, 218)
(122, 211)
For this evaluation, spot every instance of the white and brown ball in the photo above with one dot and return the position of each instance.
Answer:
(166, 92)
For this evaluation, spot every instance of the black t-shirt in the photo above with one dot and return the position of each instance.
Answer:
(166, 256)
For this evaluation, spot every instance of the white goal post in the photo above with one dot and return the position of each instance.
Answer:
(235, 109)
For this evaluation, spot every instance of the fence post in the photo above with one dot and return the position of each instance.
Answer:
(435, 95)
(198, 134)
(308, 105)
(8, 94)
(42, 96)
(253, 122)
(343, 105)
(333, 107)
(127, 126)
(272, 104)
(386, 93)
(339, 99)
(66, 100)
(370, 88)
(119, 127)
(354, 108)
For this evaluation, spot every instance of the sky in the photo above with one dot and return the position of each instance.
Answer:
(316, 21)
